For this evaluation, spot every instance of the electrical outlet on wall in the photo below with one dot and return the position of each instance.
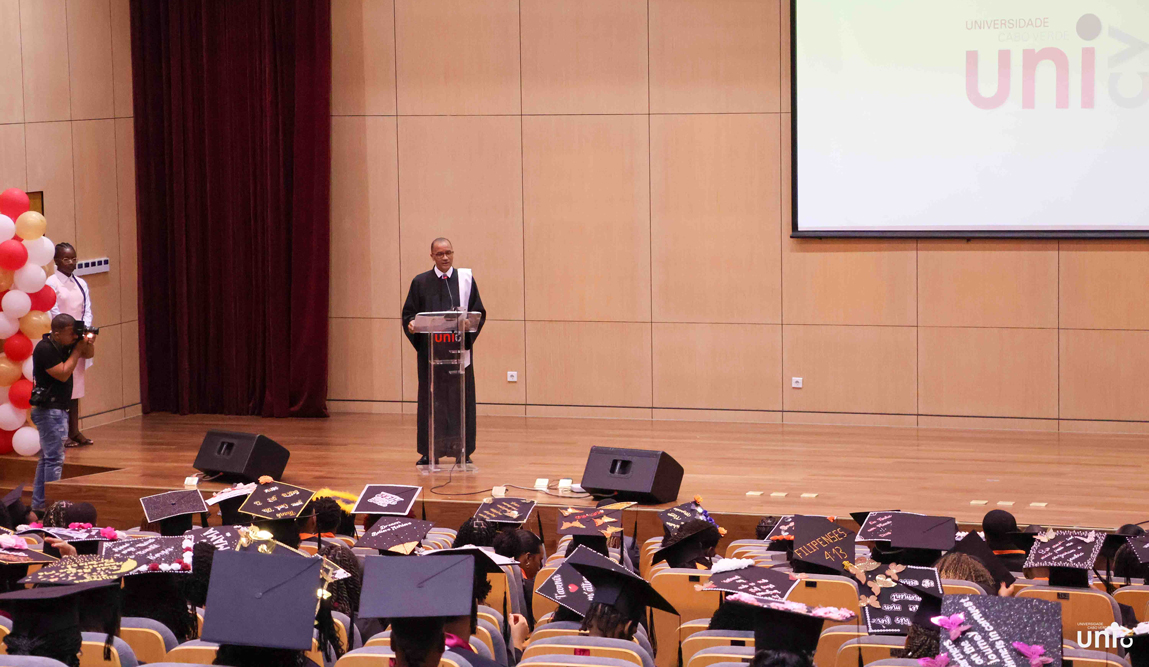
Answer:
(512, 376)
(796, 383)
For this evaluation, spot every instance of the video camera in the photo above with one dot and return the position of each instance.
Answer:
(82, 329)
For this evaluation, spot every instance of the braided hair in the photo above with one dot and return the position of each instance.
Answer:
(610, 621)
(62, 246)
(63, 645)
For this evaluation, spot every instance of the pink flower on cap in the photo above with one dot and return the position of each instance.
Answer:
(109, 533)
(79, 526)
(13, 542)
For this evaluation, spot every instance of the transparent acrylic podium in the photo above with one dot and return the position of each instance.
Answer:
(447, 358)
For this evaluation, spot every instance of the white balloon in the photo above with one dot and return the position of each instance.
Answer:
(12, 417)
(40, 251)
(26, 441)
(16, 304)
(8, 325)
(7, 228)
(27, 371)
(29, 278)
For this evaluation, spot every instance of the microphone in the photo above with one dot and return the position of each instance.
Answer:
(450, 296)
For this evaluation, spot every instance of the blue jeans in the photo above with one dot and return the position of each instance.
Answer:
(53, 427)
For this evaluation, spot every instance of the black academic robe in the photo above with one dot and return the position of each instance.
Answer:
(430, 293)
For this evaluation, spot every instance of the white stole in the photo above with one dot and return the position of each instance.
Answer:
(465, 280)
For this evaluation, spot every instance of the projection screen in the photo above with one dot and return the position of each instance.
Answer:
(970, 117)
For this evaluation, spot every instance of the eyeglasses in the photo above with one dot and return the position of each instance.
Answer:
(444, 253)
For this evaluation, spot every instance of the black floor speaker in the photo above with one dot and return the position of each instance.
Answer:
(241, 456)
(639, 475)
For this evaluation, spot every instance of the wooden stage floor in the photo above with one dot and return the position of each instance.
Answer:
(1079, 479)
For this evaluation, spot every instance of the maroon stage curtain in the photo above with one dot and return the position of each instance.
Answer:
(233, 163)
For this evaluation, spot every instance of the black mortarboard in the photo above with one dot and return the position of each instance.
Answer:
(220, 537)
(1033, 623)
(760, 582)
(819, 541)
(396, 499)
(781, 625)
(47, 609)
(1026, 537)
(152, 554)
(874, 526)
(265, 600)
(229, 501)
(892, 598)
(14, 551)
(173, 510)
(973, 545)
(567, 587)
(79, 570)
(687, 543)
(590, 522)
(616, 586)
(1076, 549)
(1140, 546)
(277, 501)
(396, 534)
(485, 561)
(417, 587)
(1114, 540)
(673, 518)
(783, 529)
(505, 510)
(917, 531)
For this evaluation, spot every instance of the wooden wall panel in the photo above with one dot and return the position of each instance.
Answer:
(50, 171)
(987, 283)
(44, 52)
(987, 372)
(850, 369)
(364, 364)
(363, 57)
(784, 55)
(849, 281)
(1102, 375)
(122, 58)
(11, 71)
(718, 366)
(715, 216)
(97, 211)
(90, 58)
(364, 218)
(584, 56)
(714, 56)
(461, 178)
(586, 211)
(457, 56)
(589, 363)
(1102, 284)
(104, 379)
(128, 240)
(13, 167)
(501, 347)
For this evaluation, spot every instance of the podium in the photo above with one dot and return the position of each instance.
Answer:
(447, 358)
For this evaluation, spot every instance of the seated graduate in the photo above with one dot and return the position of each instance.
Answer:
(786, 633)
(14, 511)
(1001, 534)
(527, 549)
(46, 621)
(476, 532)
(620, 599)
(328, 518)
(261, 608)
(345, 592)
(694, 545)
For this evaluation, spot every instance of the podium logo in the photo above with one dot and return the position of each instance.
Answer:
(447, 337)
(1089, 28)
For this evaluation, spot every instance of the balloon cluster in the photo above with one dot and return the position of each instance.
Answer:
(24, 301)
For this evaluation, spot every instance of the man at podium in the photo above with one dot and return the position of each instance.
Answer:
(442, 288)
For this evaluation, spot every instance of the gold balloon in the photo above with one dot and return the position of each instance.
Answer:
(30, 225)
(35, 324)
(10, 371)
(5, 280)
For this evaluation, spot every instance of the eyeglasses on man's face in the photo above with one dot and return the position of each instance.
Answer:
(444, 254)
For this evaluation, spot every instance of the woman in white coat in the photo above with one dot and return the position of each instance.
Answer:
(72, 298)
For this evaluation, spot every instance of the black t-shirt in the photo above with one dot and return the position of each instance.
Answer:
(49, 355)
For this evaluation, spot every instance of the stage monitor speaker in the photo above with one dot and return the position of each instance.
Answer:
(643, 476)
(241, 456)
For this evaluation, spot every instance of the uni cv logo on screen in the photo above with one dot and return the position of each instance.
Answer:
(1088, 29)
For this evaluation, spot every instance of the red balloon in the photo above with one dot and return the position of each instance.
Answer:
(20, 393)
(18, 347)
(13, 202)
(6, 442)
(42, 300)
(13, 254)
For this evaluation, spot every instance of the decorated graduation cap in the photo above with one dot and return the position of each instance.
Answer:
(1075, 549)
(894, 596)
(875, 526)
(220, 537)
(265, 600)
(760, 582)
(1140, 546)
(673, 518)
(80, 570)
(616, 586)
(782, 625)
(568, 588)
(395, 534)
(1025, 630)
(396, 499)
(230, 500)
(821, 542)
(688, 543)
(276, 501)
(173, 510)
(152, 555)
(15, 550)
(505, 510)
(422, 587)
(1114, 540)
(594, 522)
(973, 545)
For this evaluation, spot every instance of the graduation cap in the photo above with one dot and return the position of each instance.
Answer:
(782, 625)
(14, 503)
(80, 570)
(874, 526)
(173, 510)
(973, 545)
(596, 522)
(1114, 540)
(397, 499)
(265, 600)
(172, 555)
(229, 501)
(1074, 549)
(783, 529)
(47, 610)
(918, 531)
(760, 582)
(14, 550)
(616, 586)
(417, 587)
(568, 588)
(277, 501)
(687, 543)
(895, 596)
(673, 518)
(1027, 628)
(220, 537)
(486, 561)
(505, 510)
(396, 534)
(1140, 546)
(819, 541)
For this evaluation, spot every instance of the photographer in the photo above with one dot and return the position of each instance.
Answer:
(53, 362)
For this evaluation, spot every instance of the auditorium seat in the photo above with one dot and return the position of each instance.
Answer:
(678, 587)
(539, 604)
(1082, 609)
(831, 640)
(92, 652)
(705, 639)
(29, 661)
(598, 647)
(150, 640)
(961, 587)
(1136, 596)
(574, 661)
(827, 590)
(383, 640)
(1088, 658)
(688, 628)
(380, 656)
(195, 652)
(646, 556)
(736, 545)
(895, 662)
(866, 649)
(489, 635)
(342, 622)
(492, 615)
(554, 630)
(716, 655)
